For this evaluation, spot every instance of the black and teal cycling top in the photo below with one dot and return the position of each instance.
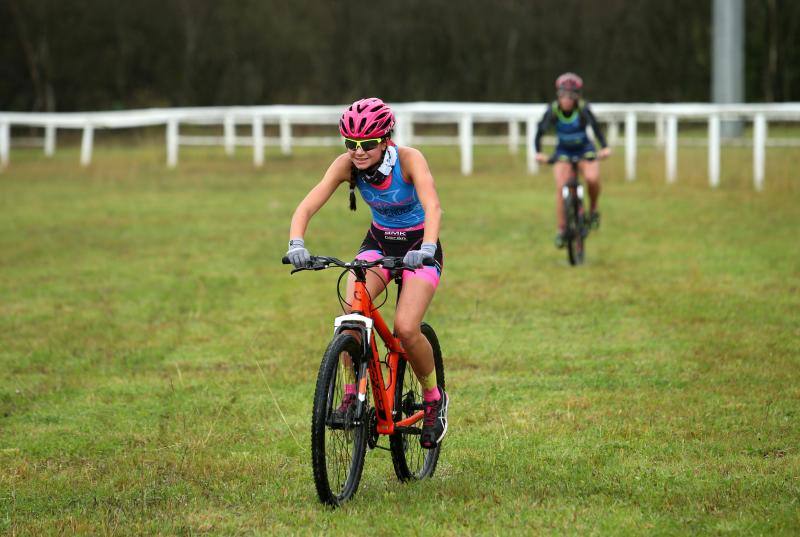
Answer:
(570, 131)
(394, 202)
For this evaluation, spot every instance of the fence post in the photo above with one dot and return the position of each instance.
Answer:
(286, 135)
(409, 129)
(613, 133)
(659, 130)
(759, 143)
(465, 138)
(531, 126)
(49, 140)
(172, 143)
(713, 150)
(229, 127)
(630, 146)
(5, 143)
(513, 137)
(86, 144)
(399, 134)
(258, 141)
(672, 148)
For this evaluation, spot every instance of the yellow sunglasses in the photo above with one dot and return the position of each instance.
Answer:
(366, 145)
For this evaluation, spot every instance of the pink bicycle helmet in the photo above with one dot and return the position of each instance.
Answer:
(367, 118)
(569, 82)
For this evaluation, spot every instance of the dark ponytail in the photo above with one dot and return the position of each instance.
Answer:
(353, 174)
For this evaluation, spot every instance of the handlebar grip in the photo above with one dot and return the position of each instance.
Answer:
(286, 261)
(429, 262)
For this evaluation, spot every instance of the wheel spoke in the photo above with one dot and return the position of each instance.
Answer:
(341, 455)
(413, 451)
(337, 447)
(411, 460)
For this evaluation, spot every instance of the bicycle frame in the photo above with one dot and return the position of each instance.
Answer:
(366, 319)
(573, 183)
(572, 196)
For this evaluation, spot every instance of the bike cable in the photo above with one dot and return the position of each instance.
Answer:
(343, 302)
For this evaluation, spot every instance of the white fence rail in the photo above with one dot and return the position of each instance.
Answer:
(666, 118)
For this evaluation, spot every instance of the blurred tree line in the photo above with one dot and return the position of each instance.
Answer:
(109, 54)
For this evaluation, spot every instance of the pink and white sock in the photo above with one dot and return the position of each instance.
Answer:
(431, 395)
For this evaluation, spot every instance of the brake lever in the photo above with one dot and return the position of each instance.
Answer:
(314, 266)
(398, 265)
(391, 265)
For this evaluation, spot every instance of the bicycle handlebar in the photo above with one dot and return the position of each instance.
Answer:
(572, 160)
(390, 263)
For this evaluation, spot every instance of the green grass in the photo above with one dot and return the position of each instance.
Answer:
(157, 363)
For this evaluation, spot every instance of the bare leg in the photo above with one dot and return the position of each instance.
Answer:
(562, 171)
(590, 169)
(414, 300)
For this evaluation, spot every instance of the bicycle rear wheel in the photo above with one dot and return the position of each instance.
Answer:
(575, 230)
(338, 447)
(412, 461)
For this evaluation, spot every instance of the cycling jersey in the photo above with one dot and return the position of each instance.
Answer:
(394, 202)
(398, 221)
(570, 129)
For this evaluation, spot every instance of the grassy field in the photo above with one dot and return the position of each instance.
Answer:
(157, 362)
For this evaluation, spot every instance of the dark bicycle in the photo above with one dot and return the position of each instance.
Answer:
(577, 225)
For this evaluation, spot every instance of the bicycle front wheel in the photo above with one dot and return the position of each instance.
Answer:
(338, 443)
(412, 461)
(575, 230)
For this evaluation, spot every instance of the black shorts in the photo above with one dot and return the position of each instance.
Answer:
(396, 243)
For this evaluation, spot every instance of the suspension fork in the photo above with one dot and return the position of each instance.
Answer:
(360, 321)
(361, 401)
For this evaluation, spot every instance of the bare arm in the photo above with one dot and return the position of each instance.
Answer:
(338, 172)
(417, 168)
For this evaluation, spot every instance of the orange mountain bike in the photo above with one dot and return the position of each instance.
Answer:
(339, 440)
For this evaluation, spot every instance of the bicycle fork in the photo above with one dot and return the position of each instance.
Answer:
(361, 325)
(565, 192)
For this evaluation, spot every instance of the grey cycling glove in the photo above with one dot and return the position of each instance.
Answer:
(414, 258)
(297, 254)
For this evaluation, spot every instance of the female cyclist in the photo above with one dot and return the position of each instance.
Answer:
(570, 115)
(398, 186)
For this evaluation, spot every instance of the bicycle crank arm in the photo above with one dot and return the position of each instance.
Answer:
(408, 430)
(331, 424)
